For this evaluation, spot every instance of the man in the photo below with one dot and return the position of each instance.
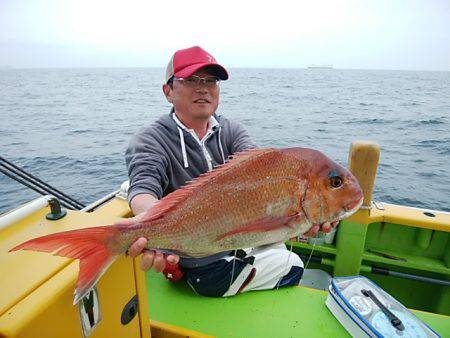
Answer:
(192, 140)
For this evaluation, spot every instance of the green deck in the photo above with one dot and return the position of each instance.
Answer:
(287, 312)
(425, 253)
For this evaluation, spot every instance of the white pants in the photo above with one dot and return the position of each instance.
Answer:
(271, 264)
(262, 268)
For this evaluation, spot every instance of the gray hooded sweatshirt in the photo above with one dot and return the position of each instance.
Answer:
(164, 156)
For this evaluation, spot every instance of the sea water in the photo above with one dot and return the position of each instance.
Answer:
(70, 127)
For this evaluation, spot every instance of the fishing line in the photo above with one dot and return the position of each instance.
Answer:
(285, 267)
(278, 284)
(309, 258)
(232, 270)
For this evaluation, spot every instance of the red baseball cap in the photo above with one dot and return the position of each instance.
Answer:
(186, 62)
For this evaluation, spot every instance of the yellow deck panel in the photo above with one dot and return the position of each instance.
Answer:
(37, 288)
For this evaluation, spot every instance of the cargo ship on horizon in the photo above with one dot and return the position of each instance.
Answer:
(320, 67)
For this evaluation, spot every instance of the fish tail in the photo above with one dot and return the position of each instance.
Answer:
(96, 248)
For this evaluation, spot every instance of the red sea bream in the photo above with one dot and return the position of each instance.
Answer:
(259, 197)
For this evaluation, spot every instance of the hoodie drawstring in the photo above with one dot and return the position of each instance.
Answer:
(183, 148)
(220, 146)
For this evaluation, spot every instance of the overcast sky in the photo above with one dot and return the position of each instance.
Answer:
(278, 33)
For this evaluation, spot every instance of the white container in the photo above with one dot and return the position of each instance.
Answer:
(316, 279)
(362, 317)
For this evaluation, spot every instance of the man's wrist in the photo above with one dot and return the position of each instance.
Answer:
(142, 202)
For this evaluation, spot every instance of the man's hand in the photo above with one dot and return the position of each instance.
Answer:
(141, 205)
(325, 227)
(151, 258)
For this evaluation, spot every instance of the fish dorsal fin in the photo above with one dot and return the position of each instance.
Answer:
(172, 200)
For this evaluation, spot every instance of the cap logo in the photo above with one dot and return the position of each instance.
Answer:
(210, 58)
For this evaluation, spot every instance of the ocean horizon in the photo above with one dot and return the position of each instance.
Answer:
(6, 67)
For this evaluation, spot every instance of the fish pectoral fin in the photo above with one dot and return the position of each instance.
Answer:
(269, 223)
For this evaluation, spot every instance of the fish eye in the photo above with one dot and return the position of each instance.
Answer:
(336, 181)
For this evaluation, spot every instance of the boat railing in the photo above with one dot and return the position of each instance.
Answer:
(29, 208)
(24, 211)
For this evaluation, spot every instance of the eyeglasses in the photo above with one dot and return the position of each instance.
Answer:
(194, 81)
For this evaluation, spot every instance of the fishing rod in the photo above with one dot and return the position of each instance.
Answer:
(39, 191)
(34, 183)
(21, 172)
(36, 186)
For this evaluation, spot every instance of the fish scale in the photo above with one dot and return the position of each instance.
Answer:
(259, 197)
(227, 213)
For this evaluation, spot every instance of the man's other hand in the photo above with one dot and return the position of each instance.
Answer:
(325, 227)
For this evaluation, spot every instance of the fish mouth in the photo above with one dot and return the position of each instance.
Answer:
(354, 205)
(351, 208)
